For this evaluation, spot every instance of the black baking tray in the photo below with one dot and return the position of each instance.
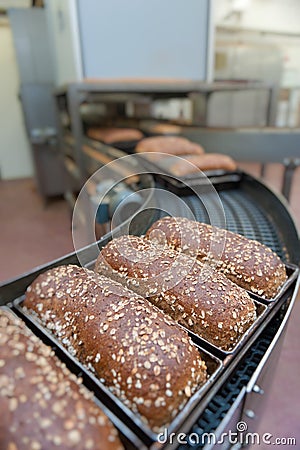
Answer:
(141, 431)
(128, 438)
(125, 146)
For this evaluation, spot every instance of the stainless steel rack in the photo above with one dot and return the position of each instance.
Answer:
(262, 145)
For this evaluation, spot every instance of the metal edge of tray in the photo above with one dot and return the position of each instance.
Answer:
(126, 146)
(181, 183)
(271, 311)
(126, 435)
(190, 186)
(137, 426)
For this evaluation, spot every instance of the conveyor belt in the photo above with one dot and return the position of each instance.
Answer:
(243, 216)
(221, 403)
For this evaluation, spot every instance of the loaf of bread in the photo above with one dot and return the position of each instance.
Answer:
(192, 293)
(246, 262)
(141, 355)
(44, 406)
(209, 161)
(174, 145)
(111, 135)
(165, 128)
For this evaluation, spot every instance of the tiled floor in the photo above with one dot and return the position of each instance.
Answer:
(32, 234)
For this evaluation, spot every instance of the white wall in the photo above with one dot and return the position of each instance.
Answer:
(15, 156)
(281, 22)
(269, 15)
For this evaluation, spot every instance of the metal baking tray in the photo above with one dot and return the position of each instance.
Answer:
(125, 146)
(128, 438)
(181, 184)
(214, 366)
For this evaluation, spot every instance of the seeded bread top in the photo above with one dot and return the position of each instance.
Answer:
(144, 358)
(173, 145)
(191, 292)
(165, 128)
(111, 135)
(246, 262)
(43, 405)
(210, 161)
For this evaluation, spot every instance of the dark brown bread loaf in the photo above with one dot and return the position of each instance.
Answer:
(246, 262)
(210, 161)
(191, 292)
(173, 145)
(111, 135)
(144, 358)
(43, 406)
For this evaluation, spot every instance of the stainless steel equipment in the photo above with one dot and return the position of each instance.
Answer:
(33, 52)
(71, 98)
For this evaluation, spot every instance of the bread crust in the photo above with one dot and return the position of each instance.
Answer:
(141, 355)
(110, 135)
(166, 128)
(192, 293)
(209, 161)
(173, 145)
(246, 262)
(43, 405)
